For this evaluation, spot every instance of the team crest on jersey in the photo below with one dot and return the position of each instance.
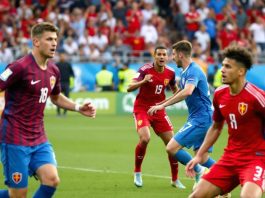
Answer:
(139, 123)
(242, 108)
(166, 81)
(17, 177)
(52, 81)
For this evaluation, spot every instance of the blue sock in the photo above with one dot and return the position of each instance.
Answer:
(184, 157)
(209, 162)
(44, 192)
(4, 194)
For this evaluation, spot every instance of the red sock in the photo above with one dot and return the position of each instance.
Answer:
(139, 156)
(174, 168)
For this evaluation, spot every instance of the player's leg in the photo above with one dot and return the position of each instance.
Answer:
(205, 189)
(223, 179)
(15, 160)
(140, 150)
(252, 178)
(49, 179)
(251, 189)
(184, 138)
(142, 126)
(201, 131)
(43, 165)
(176, 150)
(164, 129)
(175, 182)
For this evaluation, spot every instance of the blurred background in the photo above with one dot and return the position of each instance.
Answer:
(110, 40)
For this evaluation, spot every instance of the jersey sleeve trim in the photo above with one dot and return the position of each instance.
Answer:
(254, 92)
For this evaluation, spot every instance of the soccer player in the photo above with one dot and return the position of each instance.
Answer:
(28, 82)
(242, 106)
(194, 89)
(152, 80)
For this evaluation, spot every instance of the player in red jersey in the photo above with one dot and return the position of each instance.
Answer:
(152, 80)
(242, 106)
(28, 82)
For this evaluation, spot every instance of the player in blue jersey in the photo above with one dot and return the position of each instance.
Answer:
(28, 83)
(194, 89)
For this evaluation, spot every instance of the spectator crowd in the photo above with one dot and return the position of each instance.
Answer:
(109, 30)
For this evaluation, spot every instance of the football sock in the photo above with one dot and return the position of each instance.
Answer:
(184, 157)
(139, 156)
(174, 167)
(44, 191)
(4, 194)
(209, 162)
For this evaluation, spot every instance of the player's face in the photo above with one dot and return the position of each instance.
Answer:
(176, 56)
(161, 57)
(231, 71)
(46, 44)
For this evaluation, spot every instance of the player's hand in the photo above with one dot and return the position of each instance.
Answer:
(87, 109)
(154, 109)
(148, 78)
(190, 166)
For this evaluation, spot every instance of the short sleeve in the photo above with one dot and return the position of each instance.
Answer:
(139, 75)
(10, 75)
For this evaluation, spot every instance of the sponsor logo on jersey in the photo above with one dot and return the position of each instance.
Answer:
(52, 81)
(17, 177)
(34, 82)
(166, 81)
(140, 122)
(242, 108)
(5, 74)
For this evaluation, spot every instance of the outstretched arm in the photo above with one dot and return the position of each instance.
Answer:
(87, 109)
(177, 97)
(210, 138)
(136, 84)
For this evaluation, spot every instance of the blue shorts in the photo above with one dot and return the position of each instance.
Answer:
(192, 134)
(19, 162)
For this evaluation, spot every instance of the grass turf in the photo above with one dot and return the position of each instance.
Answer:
(96, 158)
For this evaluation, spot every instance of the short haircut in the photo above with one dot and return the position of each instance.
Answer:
(38, 29)
(159, 47)
(183, 46)
(239, 54)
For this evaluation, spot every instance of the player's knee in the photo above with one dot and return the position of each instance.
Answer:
(195, 195)
(248, 195)
(145, 140)
(170, 150)
(52, 181)
(55, 181)
(18, 193)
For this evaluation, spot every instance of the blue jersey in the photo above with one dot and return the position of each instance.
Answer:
(199, 103)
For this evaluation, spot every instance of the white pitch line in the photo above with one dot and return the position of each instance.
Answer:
(116, 172)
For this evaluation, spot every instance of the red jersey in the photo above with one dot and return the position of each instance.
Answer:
(153, 92)
(27, 88)
(244, 114)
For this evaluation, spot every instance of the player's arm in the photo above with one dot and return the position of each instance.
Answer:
(212, 135)
(177, 97)
(87, 109)
(136, 84)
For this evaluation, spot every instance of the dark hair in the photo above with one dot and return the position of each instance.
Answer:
(239, 54)
(159, 47)
(183, 46)
(40, 28)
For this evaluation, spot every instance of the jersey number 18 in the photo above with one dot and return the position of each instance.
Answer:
(43, 95)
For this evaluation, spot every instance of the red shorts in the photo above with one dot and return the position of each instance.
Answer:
(159, 121)
(227, 177)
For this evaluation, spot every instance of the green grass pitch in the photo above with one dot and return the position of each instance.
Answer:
(96, 159)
